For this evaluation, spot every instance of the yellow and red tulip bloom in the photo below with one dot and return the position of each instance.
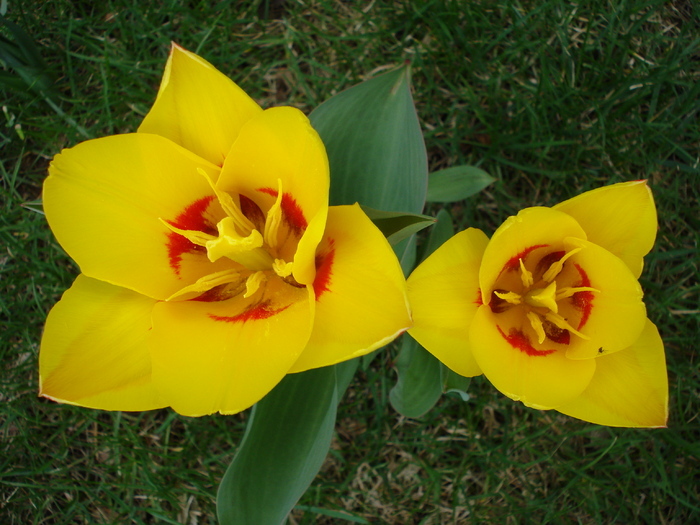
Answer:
(211, 262)
(550, 309)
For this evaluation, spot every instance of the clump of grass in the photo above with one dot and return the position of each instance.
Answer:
(551, 98)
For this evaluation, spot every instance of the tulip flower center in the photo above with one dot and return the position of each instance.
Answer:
(543, 297)
(259, 246)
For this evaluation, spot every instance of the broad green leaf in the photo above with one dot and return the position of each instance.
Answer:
(286, 441)
(453, 383)
(408, 249)
(419, 384)
(421, 378)
(397, 226)
(457, 183)
(442, 231)
(375, 145)
(344, 372)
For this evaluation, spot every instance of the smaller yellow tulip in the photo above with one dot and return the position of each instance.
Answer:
(550, 309)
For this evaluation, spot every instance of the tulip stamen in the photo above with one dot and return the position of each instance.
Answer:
(557, 267)
(282, 268)
(525, 275)
(253, 283)
(244, 225)
(537, 326)
(274, 219)
(509, 297)
(569, 291)
(206, 283)
(558, 321)
(194, 236)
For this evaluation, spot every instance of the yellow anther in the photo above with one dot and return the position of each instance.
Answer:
(253, 283)
(525, 275)
(558, 321)
(556, 267)
(568, 291)
(543, 297)
(206, 283)
(509, 297)
(536, 324)
(194, 236)
(274, 219)
(281, 268)
(245, 226)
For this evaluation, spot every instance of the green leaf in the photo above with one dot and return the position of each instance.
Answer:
(442, 231)
(421, 377)
(375, 145)
(457, 183)
(397, 226)
(286, 441)
(453, 383)
(419, 383)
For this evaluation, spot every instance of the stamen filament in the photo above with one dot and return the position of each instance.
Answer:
(274, 219)
(556, 267)
(537, 326)
(244, 225)
(253, 283)
(206, 283)
(568, 291)
(558, 321)
(525, 275)
(282, 268)
(194, 236)
(509, 297)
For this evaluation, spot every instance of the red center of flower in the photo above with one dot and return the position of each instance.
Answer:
(541, 299)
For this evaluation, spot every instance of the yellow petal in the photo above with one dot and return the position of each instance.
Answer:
(540, 378)
(279, 148)
(444, 295)
(198, 107)
(360, 292)
(616, 314)
(519, 236)
(105, 198)
(621, 218)
(94, 351)
(629, 388)
(225, 356)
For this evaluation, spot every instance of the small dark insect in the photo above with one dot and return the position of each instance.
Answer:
(600, 350)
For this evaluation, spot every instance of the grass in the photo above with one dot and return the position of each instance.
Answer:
(552, 98)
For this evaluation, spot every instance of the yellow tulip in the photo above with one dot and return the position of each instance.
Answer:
(550, 309)
(211, 262)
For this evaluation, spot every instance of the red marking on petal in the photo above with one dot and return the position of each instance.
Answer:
(547, 261)
(252, 313)
(514, 262)
(479, 301)
(520, 341)
(583, 300)
(497, 304)
(324, 270)
(556, 334)
(252, 212)
(292, 212)
(192, 218)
